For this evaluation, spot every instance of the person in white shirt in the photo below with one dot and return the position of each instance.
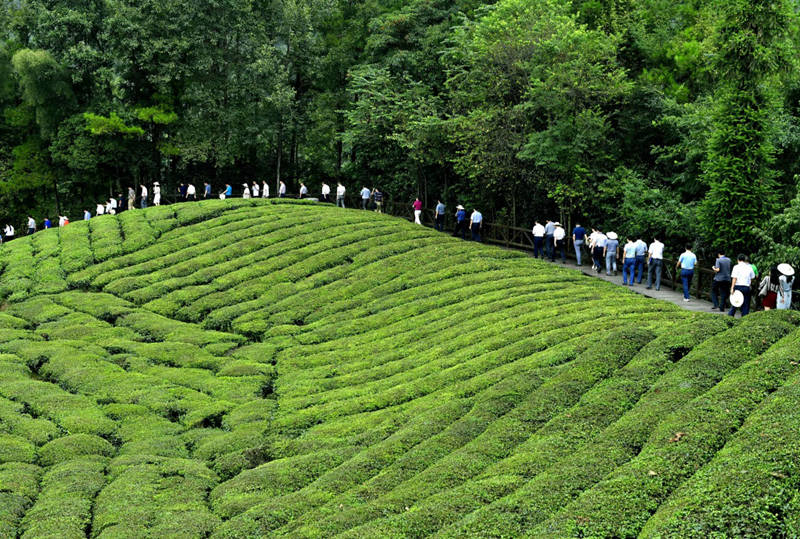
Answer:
(326, 192)
(597, 244)
(742, 276)
(8, 233)
(86, 215)
(655, 262)
(559, 243)
(156, 194)
(191, 192)
(109, 208)
(281, 189)
(340, 190)
(246, 192)
(256, 190)
(303, 190)
(143, 194)
(99, 210)
(476, 223)
(264, 189)
(113, 203)
(31, 225)
(538, 239)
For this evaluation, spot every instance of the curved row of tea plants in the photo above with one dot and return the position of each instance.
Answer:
(246, 368)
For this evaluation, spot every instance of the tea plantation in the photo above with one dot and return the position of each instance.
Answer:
(252, 368)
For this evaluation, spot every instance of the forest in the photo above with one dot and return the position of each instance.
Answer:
(676, 118)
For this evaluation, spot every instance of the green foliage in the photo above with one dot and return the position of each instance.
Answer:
(374, 378)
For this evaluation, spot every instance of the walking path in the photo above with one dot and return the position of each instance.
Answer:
(665, 294)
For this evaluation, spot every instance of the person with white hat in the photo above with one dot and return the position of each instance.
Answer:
(156, 194)
(611, 252)
(742, 276)
(559, 242)
(786, 281)
(245, 191)
(461, 222)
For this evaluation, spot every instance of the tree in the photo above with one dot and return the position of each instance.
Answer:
(753, 49)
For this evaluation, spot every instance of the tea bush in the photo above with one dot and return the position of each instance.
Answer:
(248, 368)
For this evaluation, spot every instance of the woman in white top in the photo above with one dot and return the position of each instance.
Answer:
(264, 190)
(100, 210)
(156, 194)
(255, 190)
(246, 193)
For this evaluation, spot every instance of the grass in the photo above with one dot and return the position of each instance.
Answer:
(249, 368)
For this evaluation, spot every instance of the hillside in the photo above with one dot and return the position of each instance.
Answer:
(243, 368)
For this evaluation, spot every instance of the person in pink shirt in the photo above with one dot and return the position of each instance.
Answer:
(417, 211)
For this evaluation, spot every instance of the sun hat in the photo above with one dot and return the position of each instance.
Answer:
(737, 298)
(459, 207)
(786, 269)
(156, 183)
(556, 224)
(612, 235)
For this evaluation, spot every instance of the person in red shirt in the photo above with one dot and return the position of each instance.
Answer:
(417, 211)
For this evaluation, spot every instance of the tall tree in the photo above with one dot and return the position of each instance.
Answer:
(753, 46)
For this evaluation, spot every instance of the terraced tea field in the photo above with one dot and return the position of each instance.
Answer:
(246, 368)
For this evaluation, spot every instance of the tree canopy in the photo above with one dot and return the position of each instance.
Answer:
(672, 118)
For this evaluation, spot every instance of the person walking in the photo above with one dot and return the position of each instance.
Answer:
(245, 191)
(191, 192)
(281, 189)
(183, 191)
(256, 190)
(742, 276)
(786, 280)
(303, 190)
(461, 222)
(628, 261)
(578, 239)
(721, 284)
(599, 252)
(326, 192)
(340, 191)
(228, 191)
(123, 203)
(538, 239)
(655, 263)
(769, 288)
(476, 223)
(156, 194)
(549, 228)
(206, 190)
(143, 195)
(559, 242)
(686, 263)
(438, 216)
(86, 215)
(47, 223)
(417, 205)
(131, 198)
(365, 194)
(641, 253)
(611, 252)
(377, 196)
(264, 189)
(8, 233)
(100, 209)
(31, 225)
(112, 204)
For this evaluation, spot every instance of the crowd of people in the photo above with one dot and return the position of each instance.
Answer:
(733, 285)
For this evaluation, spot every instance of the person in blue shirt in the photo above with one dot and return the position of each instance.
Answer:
(461, 222)
(438, 217)
(206, 190)
(641, 253)
(686, 264)
(629, 261)
(578, 239)
(86, 215)
(228, 190)
(47, 223)
(365, 194)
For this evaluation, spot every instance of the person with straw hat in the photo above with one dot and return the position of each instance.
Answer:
(786, 280)
(461, 222)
